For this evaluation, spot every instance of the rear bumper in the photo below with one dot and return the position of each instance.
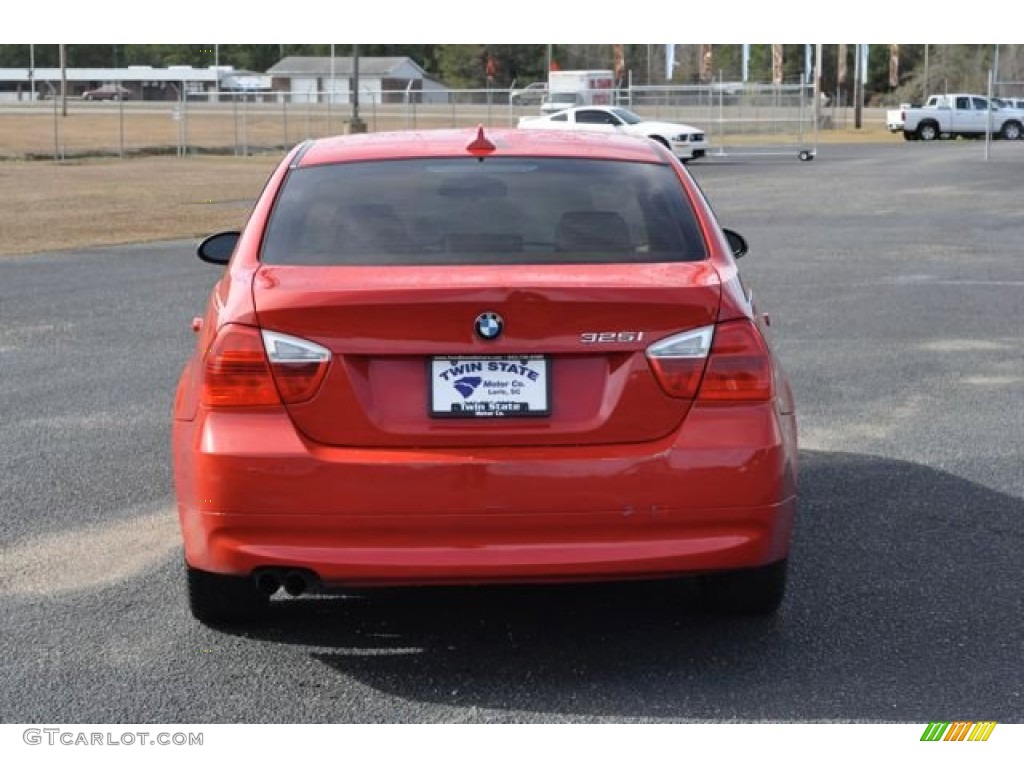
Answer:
(719, 495)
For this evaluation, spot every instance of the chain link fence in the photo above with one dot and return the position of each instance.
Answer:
(765, 117)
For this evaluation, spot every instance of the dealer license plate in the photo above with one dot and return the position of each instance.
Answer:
(489, 386)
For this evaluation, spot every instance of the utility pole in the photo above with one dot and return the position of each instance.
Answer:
(925, 72)
(995, 67)
(355, 83)
(355, 125)
(330, 94)
(858, 90)
(817, 88)
(988, 124)
(63, 83)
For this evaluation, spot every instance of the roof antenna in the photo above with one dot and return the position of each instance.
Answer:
(481, 146)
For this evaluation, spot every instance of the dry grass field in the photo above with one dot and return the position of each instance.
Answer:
(92, 197)
(54, 206)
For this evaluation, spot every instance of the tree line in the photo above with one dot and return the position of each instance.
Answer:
(917, 71)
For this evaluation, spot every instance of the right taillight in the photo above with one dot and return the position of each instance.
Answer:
(739, 368)
(720, 363)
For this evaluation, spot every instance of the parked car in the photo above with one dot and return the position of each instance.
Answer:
(684, 141)
(532, 94)
(107, 93)
(959, 114)
(488, 356)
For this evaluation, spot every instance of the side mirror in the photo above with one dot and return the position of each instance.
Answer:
(737, 243)
(217, 249)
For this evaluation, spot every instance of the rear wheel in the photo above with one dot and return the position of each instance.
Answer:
(910, 136)
(216, 599)
(928, 132)
(1011, 130)
(751, 592)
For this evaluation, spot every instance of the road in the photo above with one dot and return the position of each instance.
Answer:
(896, 289)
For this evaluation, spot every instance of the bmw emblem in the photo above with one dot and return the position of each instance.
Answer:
(488, 326)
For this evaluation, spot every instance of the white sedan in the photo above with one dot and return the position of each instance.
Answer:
(685, 141)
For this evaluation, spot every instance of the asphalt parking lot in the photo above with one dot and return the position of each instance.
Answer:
(895, 281)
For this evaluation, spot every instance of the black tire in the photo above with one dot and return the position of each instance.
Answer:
(217, 600)
(909, 136)
(1011, 130)
(750, 592)
(928, 131)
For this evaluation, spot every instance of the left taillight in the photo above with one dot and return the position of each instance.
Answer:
(248, 367)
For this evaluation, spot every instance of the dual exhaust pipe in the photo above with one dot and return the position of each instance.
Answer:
(295, 582)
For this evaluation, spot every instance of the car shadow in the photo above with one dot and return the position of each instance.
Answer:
(904, 604)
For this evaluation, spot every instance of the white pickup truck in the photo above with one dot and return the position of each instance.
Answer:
(951, 115)
(894, 118)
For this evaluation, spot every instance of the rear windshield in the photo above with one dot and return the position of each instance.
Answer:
(495, 211)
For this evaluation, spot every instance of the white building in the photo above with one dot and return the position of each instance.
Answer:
(149, 83)
(382, 79)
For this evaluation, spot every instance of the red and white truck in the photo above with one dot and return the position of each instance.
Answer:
(577, 88)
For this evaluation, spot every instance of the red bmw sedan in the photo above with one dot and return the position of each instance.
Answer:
(481, 356)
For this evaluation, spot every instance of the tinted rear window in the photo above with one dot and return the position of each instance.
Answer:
(495, 211)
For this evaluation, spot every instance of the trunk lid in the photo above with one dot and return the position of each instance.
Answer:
(589, 324)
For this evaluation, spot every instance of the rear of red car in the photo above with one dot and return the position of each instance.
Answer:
(449, 358)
